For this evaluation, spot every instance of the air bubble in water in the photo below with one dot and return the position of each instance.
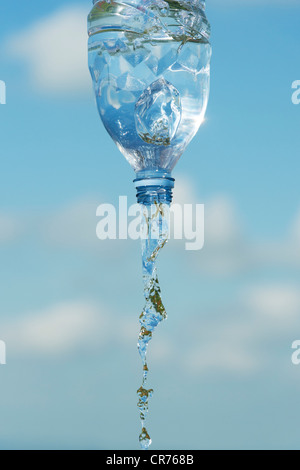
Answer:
(158, 113)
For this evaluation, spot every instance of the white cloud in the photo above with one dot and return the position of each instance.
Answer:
(162, 350)
(243, 338)
(73, 225)
(55, 49)
(227, 248)
(9, 228)
(221, 357)
(226, 344)
(276, 301)
(221, 222)
(59, 329)
(68, 327)
(185, 191)
(295, 230)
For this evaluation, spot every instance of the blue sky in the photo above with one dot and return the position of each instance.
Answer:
(221, 364)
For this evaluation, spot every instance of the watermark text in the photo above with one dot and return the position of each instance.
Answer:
(2, 353)
(2, 92)
(296, 353)
(186, 222)
(296, 93)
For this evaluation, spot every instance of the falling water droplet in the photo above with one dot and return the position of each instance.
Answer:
(158, 113)
(145, 440)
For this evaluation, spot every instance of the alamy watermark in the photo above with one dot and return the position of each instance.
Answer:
(296, 353)
(2, 353)
(186, 223)
(2, 92)
(296, 93)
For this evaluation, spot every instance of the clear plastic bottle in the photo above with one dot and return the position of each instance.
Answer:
(150, 65)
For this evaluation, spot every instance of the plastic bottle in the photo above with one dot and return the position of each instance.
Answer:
(150, 65)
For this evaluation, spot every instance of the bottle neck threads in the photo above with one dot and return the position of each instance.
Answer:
(154, 187)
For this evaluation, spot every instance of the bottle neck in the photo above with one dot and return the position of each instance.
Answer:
(154, 187)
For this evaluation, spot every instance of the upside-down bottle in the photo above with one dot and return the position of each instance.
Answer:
(150, 65)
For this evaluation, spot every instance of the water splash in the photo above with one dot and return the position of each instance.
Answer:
(179, 20)
(155, 227)
(158, 113)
